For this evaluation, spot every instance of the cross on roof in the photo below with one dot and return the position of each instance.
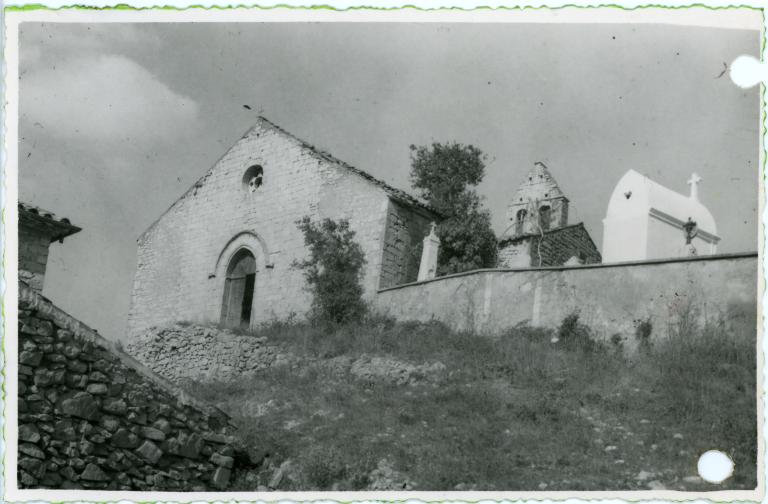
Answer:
(694, 183)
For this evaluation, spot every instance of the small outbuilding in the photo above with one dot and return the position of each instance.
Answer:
(646, 220)
(38, 228)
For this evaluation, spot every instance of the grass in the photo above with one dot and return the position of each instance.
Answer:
(517, 412)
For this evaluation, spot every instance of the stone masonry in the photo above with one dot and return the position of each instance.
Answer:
(91, 417)
(538, 233)
(402, 245)
(38, 228)
(183, 257)
(553, 248)
(182, 351)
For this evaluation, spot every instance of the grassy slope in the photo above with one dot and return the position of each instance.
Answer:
(514, 413)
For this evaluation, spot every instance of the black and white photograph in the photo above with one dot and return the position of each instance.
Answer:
(383, 252)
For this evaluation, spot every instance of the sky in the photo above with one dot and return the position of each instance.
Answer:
(118, 120)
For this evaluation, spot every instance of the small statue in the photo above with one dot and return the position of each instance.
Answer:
(691, 230)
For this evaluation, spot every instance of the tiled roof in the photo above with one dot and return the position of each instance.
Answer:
(59, 228)
(503, 240)
(26, 207)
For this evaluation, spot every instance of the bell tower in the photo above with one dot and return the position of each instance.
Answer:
(538, 204)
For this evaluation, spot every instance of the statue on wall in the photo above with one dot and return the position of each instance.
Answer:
(691, 229)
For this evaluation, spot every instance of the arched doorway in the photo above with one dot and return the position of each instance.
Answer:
(238, 290)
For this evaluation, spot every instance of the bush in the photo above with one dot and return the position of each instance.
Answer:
(574, 335)
(323, 468)
(617, 341)
(333, 270)
(643, 334)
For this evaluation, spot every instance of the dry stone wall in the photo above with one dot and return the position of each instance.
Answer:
(200, 353)
(91, 417)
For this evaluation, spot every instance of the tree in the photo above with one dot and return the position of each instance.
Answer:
(333, 270)
(445, 176)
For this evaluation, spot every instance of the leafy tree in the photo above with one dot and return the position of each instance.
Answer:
(333, 270)
(445, 176)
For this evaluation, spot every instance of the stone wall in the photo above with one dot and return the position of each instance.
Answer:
(182, 351)
(182, 258)
(514, 253)
(555, 248)
(611, 298)
(559, 245)
(405, 231)
(92, 417)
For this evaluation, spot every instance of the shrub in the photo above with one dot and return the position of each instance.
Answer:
(617, 340)
(575, 335)
(323, 468)
(643, 334)
(333, 270)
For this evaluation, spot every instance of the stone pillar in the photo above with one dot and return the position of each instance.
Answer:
(428, 266)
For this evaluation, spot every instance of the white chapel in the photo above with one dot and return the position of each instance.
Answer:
(646, 220)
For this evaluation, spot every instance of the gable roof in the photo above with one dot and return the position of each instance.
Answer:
(636, 194)
(538, 182)
(396, 194)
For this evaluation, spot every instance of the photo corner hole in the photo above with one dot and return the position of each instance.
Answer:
(747, 71)
(715, 466)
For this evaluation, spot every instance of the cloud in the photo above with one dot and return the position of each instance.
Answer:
(43, 44)
(108, 99)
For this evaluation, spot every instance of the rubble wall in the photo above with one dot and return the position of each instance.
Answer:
(91, 417)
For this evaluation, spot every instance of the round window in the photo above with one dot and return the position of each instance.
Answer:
(253, 178)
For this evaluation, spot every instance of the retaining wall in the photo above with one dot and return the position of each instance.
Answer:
(183, 351)
(611, 298)
(92, 417)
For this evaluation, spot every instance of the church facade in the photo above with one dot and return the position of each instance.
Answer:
(223, 252)
(539, 233)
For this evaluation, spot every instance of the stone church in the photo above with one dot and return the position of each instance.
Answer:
(223, 252)
(539, 233)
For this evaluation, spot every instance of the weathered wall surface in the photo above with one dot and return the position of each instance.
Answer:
(405, 231)
(182, 258)
(202, 354)
(668, 240)
(33, 257)
(92, 417)
(514, 253)
(610, 298)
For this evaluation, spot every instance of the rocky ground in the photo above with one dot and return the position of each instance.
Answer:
(519, 413)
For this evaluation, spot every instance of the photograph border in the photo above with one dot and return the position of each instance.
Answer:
(568, 12)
